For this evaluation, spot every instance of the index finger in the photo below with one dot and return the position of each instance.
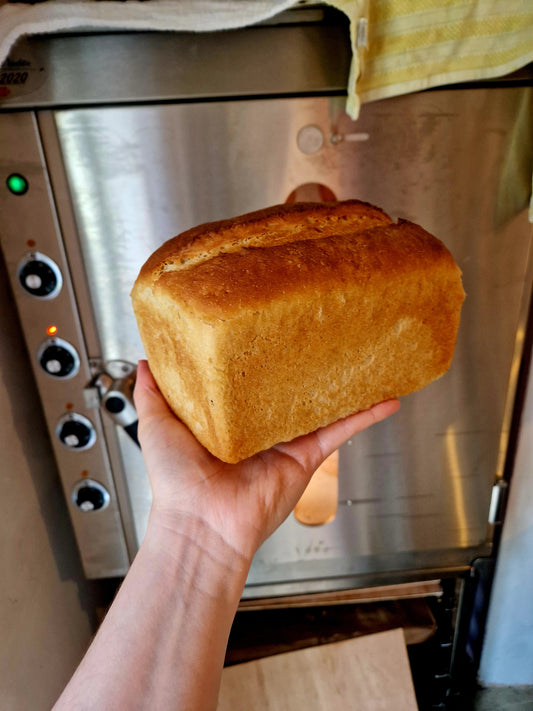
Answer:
(310, 450)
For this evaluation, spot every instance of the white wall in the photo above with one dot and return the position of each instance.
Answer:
(46, 610)
(507, 656)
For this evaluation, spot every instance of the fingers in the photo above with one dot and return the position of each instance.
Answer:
(158, 425)
(310, 450)
(332, 436)
(313, 448)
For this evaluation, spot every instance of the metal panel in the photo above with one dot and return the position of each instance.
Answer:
(158, 66)
(415, 490)
(29, 223)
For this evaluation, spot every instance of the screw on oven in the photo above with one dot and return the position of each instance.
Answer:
(310, 139)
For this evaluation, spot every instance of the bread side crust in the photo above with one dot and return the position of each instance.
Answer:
(180, 352)
(280, 387)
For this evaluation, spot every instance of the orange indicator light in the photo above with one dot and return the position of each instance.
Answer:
(51, 330)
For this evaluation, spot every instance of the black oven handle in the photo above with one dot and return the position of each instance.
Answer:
(117, 405)
(116, 400)
(132, 431)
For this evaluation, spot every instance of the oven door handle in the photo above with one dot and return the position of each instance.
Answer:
(115, 397)
(117, 403)
(132, 431)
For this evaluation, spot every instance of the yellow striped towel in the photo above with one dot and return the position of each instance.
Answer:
(401, 46)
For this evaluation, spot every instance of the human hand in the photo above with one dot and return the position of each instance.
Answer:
(242, 503)
(162, 643)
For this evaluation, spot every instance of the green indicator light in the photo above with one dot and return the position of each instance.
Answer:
(17, 184)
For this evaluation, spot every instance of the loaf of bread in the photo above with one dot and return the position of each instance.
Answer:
(267, 326)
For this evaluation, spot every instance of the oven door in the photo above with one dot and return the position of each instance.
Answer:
(413, 492)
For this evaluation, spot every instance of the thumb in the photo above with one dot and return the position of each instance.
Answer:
(311, 450)
(155, 415)
(332, 436)
(159, 428)
(147, 397)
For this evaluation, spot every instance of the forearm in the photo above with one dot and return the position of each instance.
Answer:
(162, 643)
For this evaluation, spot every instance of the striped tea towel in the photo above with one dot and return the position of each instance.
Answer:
(401, 46)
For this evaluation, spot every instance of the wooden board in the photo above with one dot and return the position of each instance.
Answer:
(369, 673)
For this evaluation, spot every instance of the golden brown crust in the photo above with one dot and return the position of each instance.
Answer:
(256, 276)
(272, 225)
(268, 326)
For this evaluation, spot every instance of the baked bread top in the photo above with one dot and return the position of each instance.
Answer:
(220, 268)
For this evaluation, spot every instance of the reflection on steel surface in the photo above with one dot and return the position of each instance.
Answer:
(460, 507)
(318, 504)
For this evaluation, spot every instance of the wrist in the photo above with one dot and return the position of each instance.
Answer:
(188, 549)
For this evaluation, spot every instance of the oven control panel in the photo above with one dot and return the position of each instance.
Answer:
(36, 259)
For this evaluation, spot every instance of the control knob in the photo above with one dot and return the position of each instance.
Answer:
(89, 495)
(76, 432)
(58, 358)
(39, 276)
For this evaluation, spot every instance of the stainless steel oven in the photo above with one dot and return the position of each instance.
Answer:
(117, 142)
